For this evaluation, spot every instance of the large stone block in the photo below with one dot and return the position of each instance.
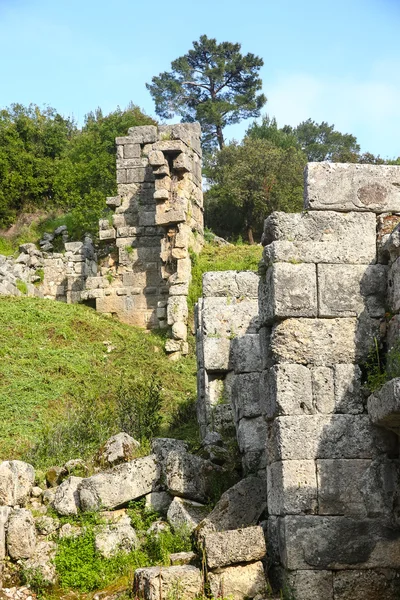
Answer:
(16, 481)
(189, 476)
(120, 484)
(324, 342)
(384, 405)
(347, 187)
(217, 351)
(158, 583)
(246, 353)
(238, 582)
(240, 506)
(4, 514)
(177, 310)
(246, 395)
(251, 436)
(235, 546)
(366, 585)
(292, 487)
(394, 286)
(357, 487)
(21, 534)
(229, 317)
(348, 290)
(309, 585)
(306, 437)
(349, 397)
(186, 514)
(230, 284)
(315, 542)
(289, 290)
(286, 390)
(323, 389)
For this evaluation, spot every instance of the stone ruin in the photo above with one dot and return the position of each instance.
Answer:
(142, 270)
(282, 361)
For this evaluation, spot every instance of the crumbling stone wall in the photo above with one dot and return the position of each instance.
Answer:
(333, 476)
(157, 221)
(229, 364)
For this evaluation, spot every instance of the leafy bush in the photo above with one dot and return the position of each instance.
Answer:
(21, 286)
(138, 408)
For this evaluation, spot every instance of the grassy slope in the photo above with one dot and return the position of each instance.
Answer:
(53, 358)
(53, 355)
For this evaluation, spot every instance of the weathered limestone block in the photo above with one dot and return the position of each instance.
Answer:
(292, 487)
(66, 500)
(42, 561)
(118, 448)
(224, 317)
(309, 585)
(119, 485)
(115, 538)
(324, 342)
(145, 134)
(186, 514)
(246, 353)
(159, 583)
(240, 506)
(286, 390)
(16, 482)
(384, 405)
(21, 534)
(188, 476)
(183, 558)
(251, 436)
(366, 585)
(349, 397)
(238, 582)
(289, 290)
(326, 237)
(357, 487)
(235, 546)
(306, 437)
(217, 352)
(246, 395)
(177, 310)
(233, 284)
(337, 542)
(348, 290)
(158, 502)
(347, 187)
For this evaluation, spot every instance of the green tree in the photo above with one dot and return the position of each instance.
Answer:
(214, 84)
(268, 130)
(248, 182)
(320, 141)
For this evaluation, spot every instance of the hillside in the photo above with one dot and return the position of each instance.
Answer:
(59, 359)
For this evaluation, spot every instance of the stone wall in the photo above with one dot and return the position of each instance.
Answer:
(158, 219)
(228, 359)
(333, 476)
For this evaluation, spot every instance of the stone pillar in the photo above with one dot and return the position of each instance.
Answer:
(157, 222)
(332, 474)
(228, 359)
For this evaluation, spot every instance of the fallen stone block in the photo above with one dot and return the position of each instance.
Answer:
(42, 561)
(189, 476)
(160, 583)
(186, 514)
(158, 502)
(240, 506)
(238, 582)
(115, 538)
(117, 449)
(225, 548)
(346, 187)
(119, 485)
(66, 499)
(21, 534)
(5, 512)
(183, 558)
(16, 482)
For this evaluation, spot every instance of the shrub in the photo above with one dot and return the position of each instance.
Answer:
(138, 409)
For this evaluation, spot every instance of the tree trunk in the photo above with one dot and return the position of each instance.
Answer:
(220, 137)
(250, 235)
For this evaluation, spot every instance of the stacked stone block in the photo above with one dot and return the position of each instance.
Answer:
(333, 478)
(157, 221)
(229, 364)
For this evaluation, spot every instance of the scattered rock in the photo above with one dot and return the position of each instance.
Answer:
(69, 531)
(55, 475)
(238, 582)
(158, 583)
(42, 561)
(66, 500)
(46, 525)
(158, 502)
(21, 534)
(118, 537)
(226, 548)
(186, 514)
(16, 482)
(118, 449)
(183, 558)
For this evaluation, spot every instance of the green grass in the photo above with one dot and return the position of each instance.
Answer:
(55, 369)
(224, 258)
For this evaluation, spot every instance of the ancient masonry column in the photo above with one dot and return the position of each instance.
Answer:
(229, 364)
(158, 221)
(333, 479)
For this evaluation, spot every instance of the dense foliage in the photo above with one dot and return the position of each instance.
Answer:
(214, 84)
(47, 162)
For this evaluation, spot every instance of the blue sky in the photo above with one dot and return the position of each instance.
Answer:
(338, 62)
